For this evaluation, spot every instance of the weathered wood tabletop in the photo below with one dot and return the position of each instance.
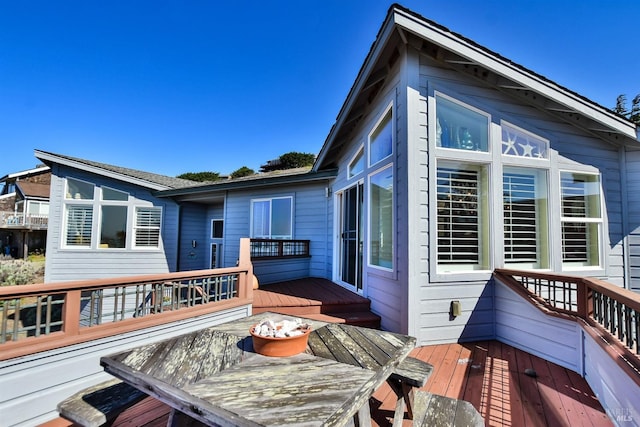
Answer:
(214, 376)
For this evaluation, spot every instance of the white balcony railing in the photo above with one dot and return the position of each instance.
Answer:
(19, 220)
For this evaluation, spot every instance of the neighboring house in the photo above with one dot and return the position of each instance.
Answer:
(446, 161)
(24, 211)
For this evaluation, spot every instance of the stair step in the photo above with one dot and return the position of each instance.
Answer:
(362, 318)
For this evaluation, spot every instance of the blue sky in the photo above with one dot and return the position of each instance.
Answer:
(188, 86)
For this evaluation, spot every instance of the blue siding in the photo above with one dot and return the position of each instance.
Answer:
(312, 208)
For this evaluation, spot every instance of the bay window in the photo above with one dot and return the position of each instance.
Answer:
(146, 229)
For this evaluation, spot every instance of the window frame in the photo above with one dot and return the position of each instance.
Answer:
(270, 200)
(599, 222)
(369, 220)
(69, 201)
(217, 220)
(387, 112)
(135, 227)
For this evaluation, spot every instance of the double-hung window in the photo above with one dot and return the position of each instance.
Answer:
(581, 219)
(272, 218)
(147, 227)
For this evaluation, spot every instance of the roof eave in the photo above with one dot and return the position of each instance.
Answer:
(222, 187)
(49, 157)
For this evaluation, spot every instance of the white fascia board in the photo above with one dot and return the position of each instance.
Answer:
(102, 172)
(504, 68)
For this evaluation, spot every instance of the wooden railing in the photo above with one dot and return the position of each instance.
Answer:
(612, 310)
(19, 220)
(41, 317)
(275, 249)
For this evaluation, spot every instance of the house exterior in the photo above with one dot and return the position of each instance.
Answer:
(24, 211)
(446, 161)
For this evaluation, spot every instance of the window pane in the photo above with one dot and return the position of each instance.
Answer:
(525, 218)
(381, 140)
(459, 127)
(113, 230)
(109, 194)
(381, 219)
(216, 228)
(261, 218)
(147, 230)
(581, 219)
(357, 164)
(79, 221)
(462, 219)
(281, 218)
(79, 190)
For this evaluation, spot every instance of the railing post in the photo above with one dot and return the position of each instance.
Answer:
(71, 313)
(585, 299)
(245, 285)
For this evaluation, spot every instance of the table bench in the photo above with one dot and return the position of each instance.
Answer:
(408, 376)
(102, 403)
(435, 410)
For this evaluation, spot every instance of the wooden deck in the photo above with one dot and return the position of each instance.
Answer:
(490, 375)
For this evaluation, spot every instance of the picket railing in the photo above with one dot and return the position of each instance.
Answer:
(40, 317)
(612, 310)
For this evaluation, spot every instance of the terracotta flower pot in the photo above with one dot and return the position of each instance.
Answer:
(280, 347)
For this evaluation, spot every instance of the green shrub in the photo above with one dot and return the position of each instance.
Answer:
(20, 272)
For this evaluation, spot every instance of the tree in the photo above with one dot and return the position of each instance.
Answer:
(200, 176)
(243, 171)
(289, 160)
(632, 114)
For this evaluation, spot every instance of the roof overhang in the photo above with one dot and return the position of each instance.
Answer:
(50, 158)
(403, 27)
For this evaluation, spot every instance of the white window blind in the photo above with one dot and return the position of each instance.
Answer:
(458, 216)
(79, 225)
(520, 218)
(147, 228)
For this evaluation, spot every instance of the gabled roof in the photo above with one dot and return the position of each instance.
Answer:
(402, 27)
(144, 179)
(33, 190)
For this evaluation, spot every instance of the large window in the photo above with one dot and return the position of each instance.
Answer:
(272, 218)
(581, 219)
(462, 210)
(381, 218)
(525, 208)
(99, 217)
(113, 223)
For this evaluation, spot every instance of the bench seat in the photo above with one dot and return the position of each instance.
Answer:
(435, 410)
(97, 405)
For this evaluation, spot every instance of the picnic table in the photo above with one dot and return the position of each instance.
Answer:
(214, 376)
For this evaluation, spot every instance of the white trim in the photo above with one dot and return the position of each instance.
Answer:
(393, 218)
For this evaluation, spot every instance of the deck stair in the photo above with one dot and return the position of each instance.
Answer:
(315, 298)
